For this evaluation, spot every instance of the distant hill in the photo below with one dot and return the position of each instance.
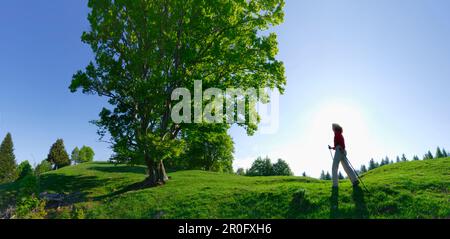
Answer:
(418, 189)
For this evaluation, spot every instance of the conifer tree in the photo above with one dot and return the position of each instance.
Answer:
(428, 155)
(322, 175)
(363, 169)
(439, 153)
(58, 155)
(404, 159)
(372, 164)
(8, 165)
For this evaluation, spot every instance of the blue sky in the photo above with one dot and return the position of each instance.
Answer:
(380, 68)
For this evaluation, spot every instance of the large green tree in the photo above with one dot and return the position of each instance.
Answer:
(208, 147)
(261, 167)
(58, 155)
(86, 154)
(281, 168)
(75, 155)
(8, 165)
(144, 49)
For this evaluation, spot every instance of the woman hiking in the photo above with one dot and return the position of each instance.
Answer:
(341, 157)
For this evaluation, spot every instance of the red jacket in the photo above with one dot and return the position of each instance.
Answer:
(339, 140)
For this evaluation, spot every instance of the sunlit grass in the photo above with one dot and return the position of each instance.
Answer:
(418, 189)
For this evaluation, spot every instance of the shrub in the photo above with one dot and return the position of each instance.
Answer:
(27, 205)
(43, 167)
(28, 186)
(77, 213)
(30, 208)
(24, 170)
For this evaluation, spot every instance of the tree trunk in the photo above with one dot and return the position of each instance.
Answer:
(162, 172)
(156, 174)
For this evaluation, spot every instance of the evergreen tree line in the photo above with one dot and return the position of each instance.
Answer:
(440, 153)
(327, 176)
(57, 158)
(264, 166)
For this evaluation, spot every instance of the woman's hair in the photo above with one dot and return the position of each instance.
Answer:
(337, 127)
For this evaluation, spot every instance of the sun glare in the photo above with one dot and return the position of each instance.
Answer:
(312, 149)
(349, 116)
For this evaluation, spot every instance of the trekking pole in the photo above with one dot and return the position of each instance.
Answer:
(331, 153)
(359, 178)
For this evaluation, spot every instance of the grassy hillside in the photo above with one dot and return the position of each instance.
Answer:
(418, 189)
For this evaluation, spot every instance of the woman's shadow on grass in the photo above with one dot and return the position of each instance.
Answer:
(360, 211)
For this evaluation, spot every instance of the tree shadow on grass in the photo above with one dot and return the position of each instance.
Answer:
(77, 189)
(126, 169)
(129, 188)
(119, 169)
(74, 188)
